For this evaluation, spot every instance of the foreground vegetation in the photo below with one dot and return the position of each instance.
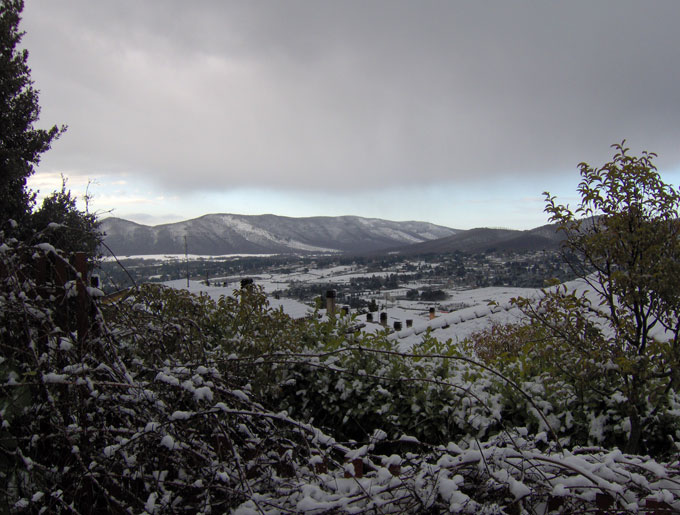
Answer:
(166, 402)
(173, 402)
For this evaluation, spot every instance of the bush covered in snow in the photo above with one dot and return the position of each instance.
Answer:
(580, 389)
(175, 403)
(623, 241)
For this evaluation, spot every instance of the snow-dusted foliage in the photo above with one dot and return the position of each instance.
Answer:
(584, 390)
(175, 403)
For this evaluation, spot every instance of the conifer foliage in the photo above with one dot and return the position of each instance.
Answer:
(21, 143)
(59, 222)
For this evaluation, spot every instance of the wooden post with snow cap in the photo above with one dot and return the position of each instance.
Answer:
(330, 302)
(79, 262)
(60, 278)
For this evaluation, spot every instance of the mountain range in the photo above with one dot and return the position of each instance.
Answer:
(218, 234)
(484, 239)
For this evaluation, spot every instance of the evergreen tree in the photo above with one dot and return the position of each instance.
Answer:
(61, 223)
(21, 144)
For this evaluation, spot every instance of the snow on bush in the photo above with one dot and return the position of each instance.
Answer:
(175, 403)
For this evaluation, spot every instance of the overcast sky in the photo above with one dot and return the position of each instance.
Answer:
(458, 113)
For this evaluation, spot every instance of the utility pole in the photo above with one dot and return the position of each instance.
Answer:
(186, 257)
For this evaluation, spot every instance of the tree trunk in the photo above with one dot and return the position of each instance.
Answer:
(633, 443)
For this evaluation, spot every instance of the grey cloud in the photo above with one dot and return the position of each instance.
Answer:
(326, 94)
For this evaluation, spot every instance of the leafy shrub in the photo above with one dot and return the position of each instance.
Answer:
(623, 241)
(580, 388)
(130, 418)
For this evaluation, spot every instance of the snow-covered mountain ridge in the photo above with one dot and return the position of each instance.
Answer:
(217, 234)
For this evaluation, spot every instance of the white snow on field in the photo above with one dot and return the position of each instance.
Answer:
(347, 277)
(463, 313)
(177, 257)
(478, 314)
(474, 314)
(580, 286)
(459, 324)
(291, 307)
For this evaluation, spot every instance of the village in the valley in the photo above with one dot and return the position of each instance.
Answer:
(453, 294)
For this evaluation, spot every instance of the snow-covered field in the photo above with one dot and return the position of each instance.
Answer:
(459, 324)
(177, 257)
(291, 307)
(463, 313)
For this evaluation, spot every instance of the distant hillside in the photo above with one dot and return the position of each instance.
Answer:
(545, 237)
(217, 234)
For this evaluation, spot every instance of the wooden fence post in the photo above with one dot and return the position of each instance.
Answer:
(59, 280)
(79, 262)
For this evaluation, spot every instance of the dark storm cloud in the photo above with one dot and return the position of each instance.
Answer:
(331, 94)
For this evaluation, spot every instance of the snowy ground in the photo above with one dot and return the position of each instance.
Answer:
(181, 257)
(459, 324)
(463, 313)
